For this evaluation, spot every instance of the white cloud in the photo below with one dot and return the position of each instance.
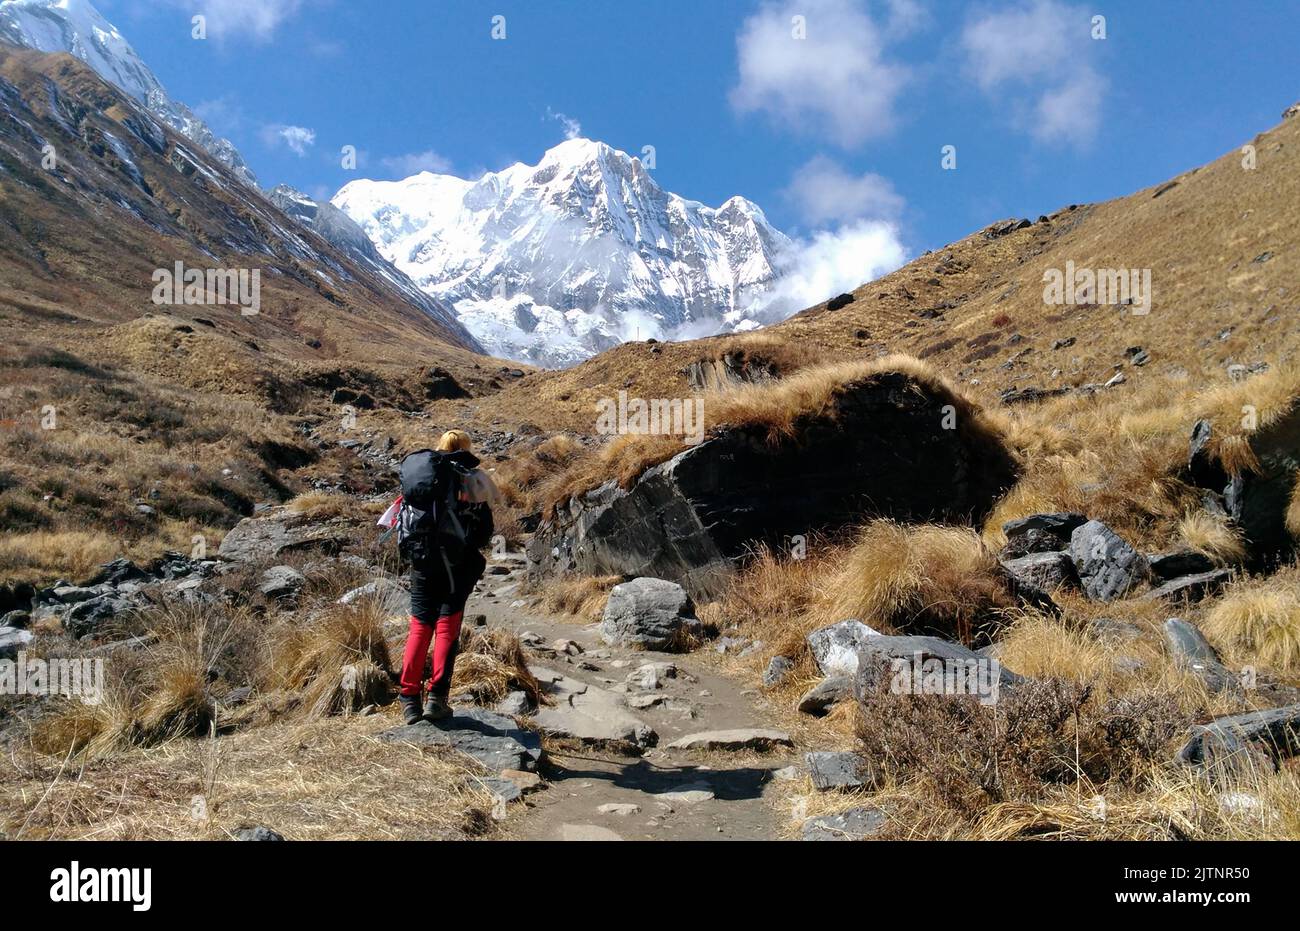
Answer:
(572, 128)
(1031, 57)
(415, 162)
(836, 81)
(298, 138)
(257, 19)
(823, 192)
(834, 261)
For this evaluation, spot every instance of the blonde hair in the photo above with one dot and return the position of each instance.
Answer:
(454, 441)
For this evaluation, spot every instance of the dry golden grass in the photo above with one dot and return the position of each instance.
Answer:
(1258, 621)
(336, 661)
(313, 780)
(325, 505)
(491, 665)
(74, 554)
(917, 579)
(160, 694)
(1212, 536)
(581, 597)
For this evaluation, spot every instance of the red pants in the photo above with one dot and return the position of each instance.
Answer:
(445, 636)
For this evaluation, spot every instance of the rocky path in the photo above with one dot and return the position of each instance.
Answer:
(610, 703)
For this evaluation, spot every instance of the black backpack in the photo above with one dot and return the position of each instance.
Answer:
(430, 522)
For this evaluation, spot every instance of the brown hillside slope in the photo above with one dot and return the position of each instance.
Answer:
(1220, 241)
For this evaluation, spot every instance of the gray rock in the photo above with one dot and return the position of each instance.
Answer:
(493, 739)
(880, 652)
(1109, 630)
(647, 613)
(835, 648)
(1046, 571)
(280, 531)
(12, 640)
(257, 834)
(515, 704)
(582, 712)
(756, 738)
(1192, 587)
(22, 619)
(1228, 740)
(832, 770)
(778, 667)
(88, 618)
(72, 594)
(821, 697)
(390, 597)
(694, 792)
(1190, 650)
(1108, 567)
(854, 824)
(283, 582)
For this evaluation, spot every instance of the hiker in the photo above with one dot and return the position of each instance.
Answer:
(444, 520)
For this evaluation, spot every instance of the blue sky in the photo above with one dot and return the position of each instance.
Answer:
(843, 125)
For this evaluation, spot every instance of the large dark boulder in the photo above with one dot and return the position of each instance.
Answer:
(1227, 741)
(1256, 499)
(889, 445)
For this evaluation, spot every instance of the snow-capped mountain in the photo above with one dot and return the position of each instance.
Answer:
(554, 262)
(76, 27)
(342, 232)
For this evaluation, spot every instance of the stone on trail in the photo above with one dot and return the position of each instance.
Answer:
(622, 809)
(692, 793)
(755, 738)
(1108, 566)
(646, 613)
(821, 697)
(586, 832)
(835, 648)
(492, 739)
(854, 824)
(583, 712)
(514, 704)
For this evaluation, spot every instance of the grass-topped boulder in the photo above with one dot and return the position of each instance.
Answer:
(816, 452)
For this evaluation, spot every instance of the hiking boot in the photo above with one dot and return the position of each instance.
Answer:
(436, 708)
(410, 709)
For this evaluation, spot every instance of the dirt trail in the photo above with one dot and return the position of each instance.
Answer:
(677, 794)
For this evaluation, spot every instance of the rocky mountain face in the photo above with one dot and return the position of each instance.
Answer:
(553, 262)
(76, 27)
(126, 195)
(342, 232)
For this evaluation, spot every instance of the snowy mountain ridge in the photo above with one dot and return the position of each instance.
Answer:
(76, 27)
(554, 262)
